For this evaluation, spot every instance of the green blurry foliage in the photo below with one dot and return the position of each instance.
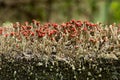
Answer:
(115, 11)
(105, 11)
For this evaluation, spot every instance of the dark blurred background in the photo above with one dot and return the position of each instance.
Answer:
(106, 11)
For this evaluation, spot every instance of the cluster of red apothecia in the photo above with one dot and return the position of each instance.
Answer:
(71, 29)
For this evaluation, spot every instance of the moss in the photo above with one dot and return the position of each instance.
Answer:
(58, 69)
